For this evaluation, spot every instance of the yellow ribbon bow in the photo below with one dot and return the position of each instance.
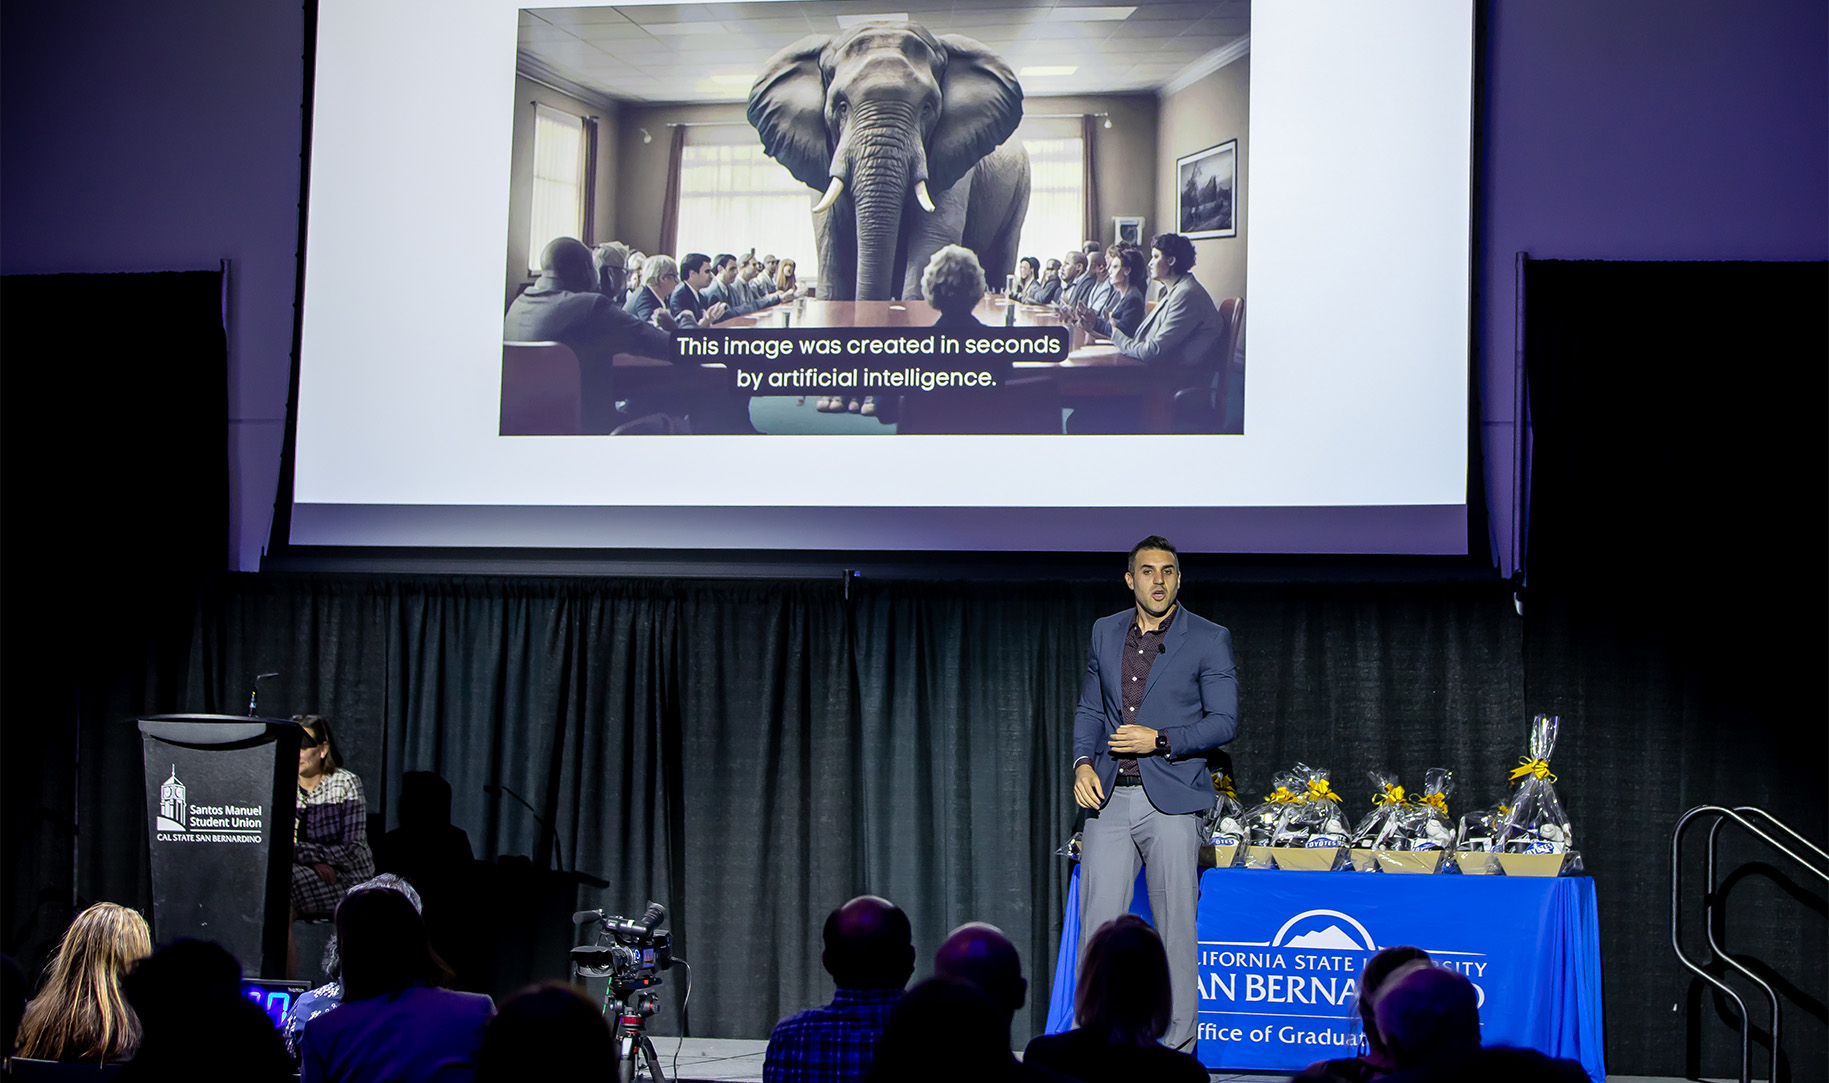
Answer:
(1222, 785)
(1435, 801)
(1281, 796)
(1318, 788)
(1392, 795)
(1540, 768)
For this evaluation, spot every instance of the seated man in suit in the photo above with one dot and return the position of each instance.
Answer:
(1098, 265)
(688, 298)
(731, 286)
(564, 305)
(1076, 284)
(659, 274)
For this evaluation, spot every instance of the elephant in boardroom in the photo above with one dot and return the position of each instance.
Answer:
(903, 131)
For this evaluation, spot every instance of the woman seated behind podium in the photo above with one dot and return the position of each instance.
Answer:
(397, 1022)
(954, 283)
(80, 1014)
(1122, 1007)
(330, 836)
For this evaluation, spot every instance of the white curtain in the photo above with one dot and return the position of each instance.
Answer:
(733, 198)
(558, 180)
(1057, 198)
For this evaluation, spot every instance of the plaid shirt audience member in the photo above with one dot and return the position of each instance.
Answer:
(833, 1044)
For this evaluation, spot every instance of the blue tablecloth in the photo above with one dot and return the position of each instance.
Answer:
(1280, 955)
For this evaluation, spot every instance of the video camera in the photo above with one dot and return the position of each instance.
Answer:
(630, 953)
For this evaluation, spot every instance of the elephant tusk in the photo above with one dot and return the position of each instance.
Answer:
(921, 196)
(833, 191)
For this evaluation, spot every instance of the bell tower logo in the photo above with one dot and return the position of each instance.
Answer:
(174, 813)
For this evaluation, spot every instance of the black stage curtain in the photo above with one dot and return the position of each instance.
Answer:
(1675, 618)
(116, 481)
(753, 754)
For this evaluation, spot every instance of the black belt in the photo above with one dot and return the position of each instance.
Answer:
(1129, 780)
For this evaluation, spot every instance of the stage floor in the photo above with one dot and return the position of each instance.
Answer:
(739, 1060)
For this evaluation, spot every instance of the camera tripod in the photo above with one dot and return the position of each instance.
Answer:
(631, 1008)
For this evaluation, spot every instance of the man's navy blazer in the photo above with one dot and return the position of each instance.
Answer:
(1191, 696)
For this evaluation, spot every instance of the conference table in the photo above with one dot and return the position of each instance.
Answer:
(1094, 369)
(1280, 952)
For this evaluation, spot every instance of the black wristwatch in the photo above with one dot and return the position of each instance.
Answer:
(1162, 743)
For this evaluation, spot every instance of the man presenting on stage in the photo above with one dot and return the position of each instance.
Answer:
(1160, 692)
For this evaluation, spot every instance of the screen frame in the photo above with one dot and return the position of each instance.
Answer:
(1478, 558)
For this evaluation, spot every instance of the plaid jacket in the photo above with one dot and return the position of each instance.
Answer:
(833, 1044)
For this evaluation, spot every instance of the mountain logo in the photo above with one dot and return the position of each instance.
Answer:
(1329, 930)
(174, 813)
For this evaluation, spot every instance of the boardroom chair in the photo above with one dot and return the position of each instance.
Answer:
(1206, 407)
(540, 389)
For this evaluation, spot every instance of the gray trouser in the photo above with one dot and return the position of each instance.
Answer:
(1127, 833)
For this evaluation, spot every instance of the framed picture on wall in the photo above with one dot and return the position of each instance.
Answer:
(1206, 185)
(1128, 229)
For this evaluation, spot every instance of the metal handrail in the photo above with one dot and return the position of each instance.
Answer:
(1722, 816)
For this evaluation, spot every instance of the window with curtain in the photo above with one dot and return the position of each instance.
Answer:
(733, 198)
(558, 180)
(1056, 193)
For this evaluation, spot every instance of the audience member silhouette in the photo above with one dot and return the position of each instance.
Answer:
(80, 1014)
(945, 1030)
(1373, 979)
(1426, 1014)
(196, 1025)
(395, 1023)
(546, 1032)
(1122, 1008)
(979, 955)
(1430, 1021)
(869, 951)
(316, 1002)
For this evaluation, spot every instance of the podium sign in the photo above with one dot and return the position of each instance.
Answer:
(219, 811)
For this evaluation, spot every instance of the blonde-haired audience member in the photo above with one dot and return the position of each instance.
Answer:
(80, 1014)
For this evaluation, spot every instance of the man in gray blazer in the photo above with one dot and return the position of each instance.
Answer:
(1161, 691)
(1185, 329)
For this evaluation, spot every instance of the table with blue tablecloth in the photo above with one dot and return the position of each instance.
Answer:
(1280, 954)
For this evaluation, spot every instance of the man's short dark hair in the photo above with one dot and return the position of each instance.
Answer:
(1177, 248)
(692, 262)
(1154, 541)
(721, 259)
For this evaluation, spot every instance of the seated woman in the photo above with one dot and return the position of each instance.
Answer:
(80, 1014)
(785, 281)
(1027, 270)
(330, 836)
(1122, 1008)
(396, 1022)
(1184, 330)
(1123, 308)
(954, 283)
(1046, 289)
(1377, 1060)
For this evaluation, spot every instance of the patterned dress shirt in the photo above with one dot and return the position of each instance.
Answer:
(833, 1044)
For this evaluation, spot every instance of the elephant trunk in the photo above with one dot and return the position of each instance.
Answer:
(885, 143)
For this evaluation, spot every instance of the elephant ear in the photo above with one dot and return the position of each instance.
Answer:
(787, 106)
(981, 105)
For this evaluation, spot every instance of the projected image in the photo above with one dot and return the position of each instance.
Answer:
(812, 218)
